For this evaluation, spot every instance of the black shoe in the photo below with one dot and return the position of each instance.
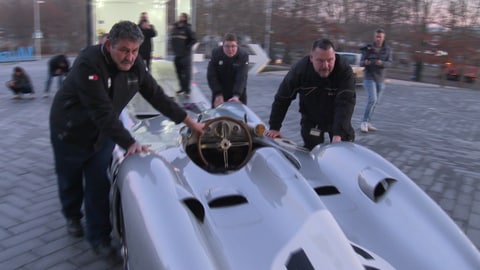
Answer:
(106, 249)
(74, 228)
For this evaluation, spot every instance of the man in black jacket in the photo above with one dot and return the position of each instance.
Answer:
(227, 72)
(149, 32)
(85, 126)
(326, 86)
(182, 39)
(58, 66)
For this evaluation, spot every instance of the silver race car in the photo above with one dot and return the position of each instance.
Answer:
(235, 199)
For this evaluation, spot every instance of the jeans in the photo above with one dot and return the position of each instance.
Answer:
(49, 81)
(82, 177)
(374, 92)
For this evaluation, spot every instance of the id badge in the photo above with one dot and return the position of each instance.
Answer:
(315, 132)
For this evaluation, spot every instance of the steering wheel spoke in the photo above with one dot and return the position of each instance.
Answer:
(239, 144)
(213, 145)
(225, 158)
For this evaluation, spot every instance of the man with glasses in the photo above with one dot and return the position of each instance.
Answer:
(325, 83)
(227, 72)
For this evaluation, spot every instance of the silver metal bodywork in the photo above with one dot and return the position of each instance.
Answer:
(339, 206)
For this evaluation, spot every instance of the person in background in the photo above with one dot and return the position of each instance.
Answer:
(149, 32)
(376, 57)
(183, 38)
(84, 127)
(20, 84)
(227, 72)
(58, 66)
(102, 38)
(325, 83)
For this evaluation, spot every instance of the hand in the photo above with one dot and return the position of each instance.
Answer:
(218, 101)
(379, 62)
(11, 83)
(136, 148)
(234, 99)
(367, 62)
(273, 134)
(196, 127)
(146, 25)
(336, 139)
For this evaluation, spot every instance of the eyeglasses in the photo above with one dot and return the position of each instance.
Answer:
(230, 46)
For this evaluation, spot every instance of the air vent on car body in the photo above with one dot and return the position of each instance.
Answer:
(374, 183)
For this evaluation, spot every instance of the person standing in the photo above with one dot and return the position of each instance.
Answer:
(58, 66)
(84, 127)
(376, 57)
(182, 39)
(227, 72)
(325, 83)
(149, 32)
(20, 83)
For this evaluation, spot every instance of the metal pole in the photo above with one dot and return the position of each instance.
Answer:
(90, 35)
(268, 26)
(37, 33)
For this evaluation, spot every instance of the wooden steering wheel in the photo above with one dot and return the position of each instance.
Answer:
(226, 143)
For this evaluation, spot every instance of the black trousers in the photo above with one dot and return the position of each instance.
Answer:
(183, 67)
(310, 139)
(313, 134)
(82, 178)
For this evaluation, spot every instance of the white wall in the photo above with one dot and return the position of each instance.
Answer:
(107, 13)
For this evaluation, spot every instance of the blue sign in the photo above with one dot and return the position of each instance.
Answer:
(21, 54)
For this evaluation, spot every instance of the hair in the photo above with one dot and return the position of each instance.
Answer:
(323, 44)
(125, 30)
(380, 30)
(18, 69)
(184, 15)
(230, 37)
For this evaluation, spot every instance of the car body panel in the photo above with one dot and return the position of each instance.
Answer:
(339, 206)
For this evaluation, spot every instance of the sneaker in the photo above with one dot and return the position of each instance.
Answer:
(46, 95)
(74, 228)
(187, 95)
(370, 127)
(31, 95)
(180, 92)
(17, 96)
(364, 127)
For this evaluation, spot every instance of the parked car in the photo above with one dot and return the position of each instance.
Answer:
(235, 199)
(456, 72)
(354, 60)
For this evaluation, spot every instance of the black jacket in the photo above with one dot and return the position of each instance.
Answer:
(58, 62)
(182, 38)
(326, 102)
(373, 71)
(228, 75)
(86, 109)
(146, 47)
(22, 82)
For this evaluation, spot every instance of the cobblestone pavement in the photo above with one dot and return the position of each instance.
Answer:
(432, 134)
